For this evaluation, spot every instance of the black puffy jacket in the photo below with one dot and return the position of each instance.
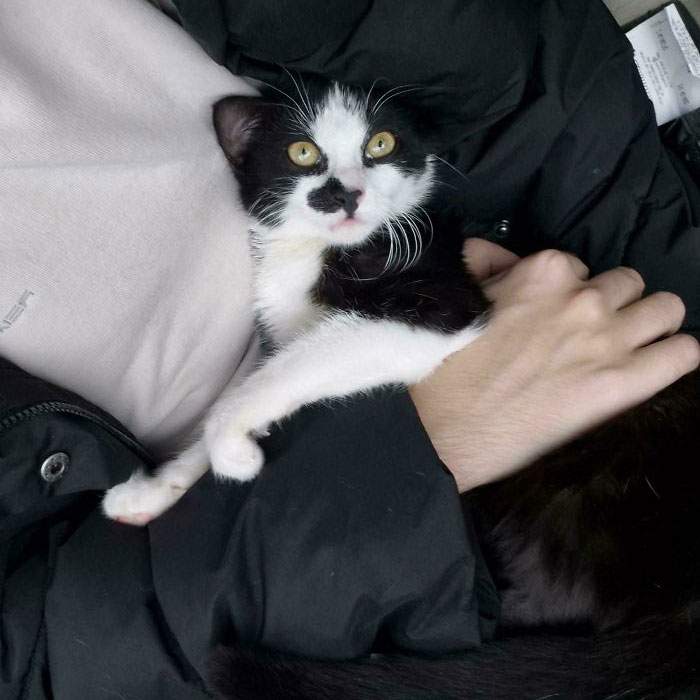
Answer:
(353, 536)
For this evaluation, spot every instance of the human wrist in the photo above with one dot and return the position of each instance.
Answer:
(476, 448)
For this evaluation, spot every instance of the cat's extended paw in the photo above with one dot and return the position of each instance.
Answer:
(235, 456)
(140, 499)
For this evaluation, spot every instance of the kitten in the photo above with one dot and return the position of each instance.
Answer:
(353, 287)
(601, 534)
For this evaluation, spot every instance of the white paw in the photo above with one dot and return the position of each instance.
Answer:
(140, 500)
(235, 456)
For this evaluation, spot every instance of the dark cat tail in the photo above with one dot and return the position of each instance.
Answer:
(655, 659)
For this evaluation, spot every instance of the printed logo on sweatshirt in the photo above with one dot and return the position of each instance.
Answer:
(16, 311)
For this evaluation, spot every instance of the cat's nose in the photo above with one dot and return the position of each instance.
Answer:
(334, 196)
(348, 200)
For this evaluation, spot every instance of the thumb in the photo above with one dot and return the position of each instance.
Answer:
(485, 259)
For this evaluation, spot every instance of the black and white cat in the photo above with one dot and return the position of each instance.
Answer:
(352, 286)
(354, 290)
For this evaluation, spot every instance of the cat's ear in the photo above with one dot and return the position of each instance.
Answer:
(237, 120)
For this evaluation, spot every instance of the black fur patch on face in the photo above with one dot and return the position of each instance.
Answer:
(332, 196)
(414, 141)
(255, 133)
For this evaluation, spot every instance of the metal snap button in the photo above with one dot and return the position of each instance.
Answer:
(55, 467)
(503, 228)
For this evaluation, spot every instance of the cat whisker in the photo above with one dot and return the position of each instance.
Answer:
(409, 254)
(392, 252)
(265, 220)
(395, 247)
(275, 197)
(449, 165)
(270, 220)
(402, 238)
(268, 214)
(419, 234)
(394, 92)
(263, 203)
(390, 259)
(304, 120)
(304, 97)
(415, 231)
(298, 116)
(257, 201)
(653, 490)
(444, 184)
(428, 221)
(369, 94)
(391, 91)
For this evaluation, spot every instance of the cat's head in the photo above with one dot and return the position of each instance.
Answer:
(333, 164)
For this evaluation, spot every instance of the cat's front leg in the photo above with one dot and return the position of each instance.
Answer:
(234, 424)
(143, 497)
(234, 452)
(342, 355)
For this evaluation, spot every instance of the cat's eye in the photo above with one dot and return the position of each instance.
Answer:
(303, 153)
(380, 145)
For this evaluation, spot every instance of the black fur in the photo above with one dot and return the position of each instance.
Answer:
(602, 535)
(333, 196)
(436, 292)
(655, 659)
(615, 512)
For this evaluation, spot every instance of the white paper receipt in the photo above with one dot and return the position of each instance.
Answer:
(669, 63)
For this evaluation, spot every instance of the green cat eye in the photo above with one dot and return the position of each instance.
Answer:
(380, 145)
(303, 153)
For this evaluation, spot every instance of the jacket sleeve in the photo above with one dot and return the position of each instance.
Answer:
(351, 538)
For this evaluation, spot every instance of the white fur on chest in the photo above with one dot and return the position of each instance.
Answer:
(285, 271)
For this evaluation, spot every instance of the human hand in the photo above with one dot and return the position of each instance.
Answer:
(560, 355)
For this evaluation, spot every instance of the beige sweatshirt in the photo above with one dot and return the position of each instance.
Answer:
(124, 271)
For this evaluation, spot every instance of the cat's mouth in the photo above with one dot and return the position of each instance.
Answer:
(346, 223)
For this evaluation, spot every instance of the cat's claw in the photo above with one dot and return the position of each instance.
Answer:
(235, 456)
(140, 499)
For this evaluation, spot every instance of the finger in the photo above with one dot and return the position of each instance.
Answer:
(658, 365)
(578, 266)
(544, 273)
(653, 317)
(619, 287)
(485, 259)
(554, 266)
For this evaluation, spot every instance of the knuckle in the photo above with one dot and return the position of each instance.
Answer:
(634, 277)
(589, 304)
(669, 306)
(553, 261)
(688, 351)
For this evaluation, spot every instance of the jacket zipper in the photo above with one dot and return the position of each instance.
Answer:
(61, 407)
